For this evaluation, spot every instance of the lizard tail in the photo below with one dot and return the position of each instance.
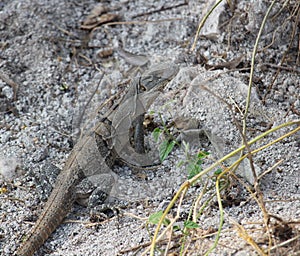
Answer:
(37, 239)
(56, 208)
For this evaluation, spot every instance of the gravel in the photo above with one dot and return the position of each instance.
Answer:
(54, 67)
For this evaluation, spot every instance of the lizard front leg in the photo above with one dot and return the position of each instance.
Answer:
(138, 136)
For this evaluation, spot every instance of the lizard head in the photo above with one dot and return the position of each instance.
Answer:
(156, 78)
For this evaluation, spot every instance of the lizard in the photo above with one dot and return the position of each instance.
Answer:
(93, 153)
(134, 114)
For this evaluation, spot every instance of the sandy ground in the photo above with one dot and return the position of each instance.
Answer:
(50, 67)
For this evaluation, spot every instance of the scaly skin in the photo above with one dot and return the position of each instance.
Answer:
(93, 154)
(56, 208)
(63, 194)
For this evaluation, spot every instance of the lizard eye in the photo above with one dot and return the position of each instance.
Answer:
(146, 82)
(142, 85)
(142, 88)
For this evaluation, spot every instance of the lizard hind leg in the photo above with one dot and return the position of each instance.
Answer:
(94, 193)
(103, 207)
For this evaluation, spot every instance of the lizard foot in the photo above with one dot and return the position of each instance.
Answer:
(104, 212)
